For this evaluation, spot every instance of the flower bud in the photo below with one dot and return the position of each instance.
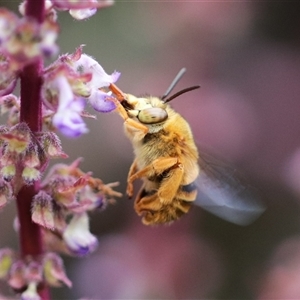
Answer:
(52, 145)
(30, 175)
(18, 138)
(54, 272)
(17, 279)
(8, 172)
(42, 210)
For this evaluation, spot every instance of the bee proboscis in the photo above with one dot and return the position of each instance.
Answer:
(167, 161)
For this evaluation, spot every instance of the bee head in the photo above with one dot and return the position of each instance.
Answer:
(148, 110)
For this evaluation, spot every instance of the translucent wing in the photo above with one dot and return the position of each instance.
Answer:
(221, 192)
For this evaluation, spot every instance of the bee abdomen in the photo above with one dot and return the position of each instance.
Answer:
(188, 192)
(188, 188)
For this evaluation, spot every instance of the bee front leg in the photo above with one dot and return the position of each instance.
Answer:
(132, 170)
(130, 123)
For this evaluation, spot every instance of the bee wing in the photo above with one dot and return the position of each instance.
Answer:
(221, 192)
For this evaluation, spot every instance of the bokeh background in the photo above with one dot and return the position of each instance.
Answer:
(245, 55)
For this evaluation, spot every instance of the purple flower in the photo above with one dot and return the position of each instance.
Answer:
(67, 118)
(78, 237)
(100, 79)
(71, 80)
(99, 101)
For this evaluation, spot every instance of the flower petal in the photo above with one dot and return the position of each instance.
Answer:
(31, 292)
(87, 64)
(81, 14)
(67, 118)
(99, 102)
(78, 237)
(69, 122)
(76, 4)
(42, 210)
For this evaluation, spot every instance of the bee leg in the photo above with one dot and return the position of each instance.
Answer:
(156, 168)
(119, 94)
(132, 170)
(169, 186)
(136, 129)
(134, 125)
(147, 203)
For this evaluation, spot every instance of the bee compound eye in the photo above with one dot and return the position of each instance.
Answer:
(152, 115)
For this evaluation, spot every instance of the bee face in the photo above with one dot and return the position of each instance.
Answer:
(147, 110)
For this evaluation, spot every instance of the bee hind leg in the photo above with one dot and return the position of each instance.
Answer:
(146, 201)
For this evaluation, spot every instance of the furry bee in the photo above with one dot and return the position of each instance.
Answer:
(166, 159)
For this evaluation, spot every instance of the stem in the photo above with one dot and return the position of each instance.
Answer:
(31, 243)
(35, 9)
(31, 107)
(30, 233)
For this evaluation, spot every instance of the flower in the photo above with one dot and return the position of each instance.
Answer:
(68, 83)
(7, 23)
(25, 274)
(52, 145)
(42, 210)
(21, 152)
(67, 118)
(66, 195)
(81, 10)
(23, 39)
(17, 272)
(54, 271)
(10, 104)
(8, 76)
(81, 14)
(31, 292)
(78, 237)
(100, 79)
(76, 191)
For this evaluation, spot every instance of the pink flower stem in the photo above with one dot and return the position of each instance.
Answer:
(30, 234)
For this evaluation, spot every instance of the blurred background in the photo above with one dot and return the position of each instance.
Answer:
(245, 55)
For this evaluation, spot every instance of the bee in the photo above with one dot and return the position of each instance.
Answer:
(166, 160)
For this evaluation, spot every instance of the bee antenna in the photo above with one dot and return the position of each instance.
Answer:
(182, 92)
(174, 82)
